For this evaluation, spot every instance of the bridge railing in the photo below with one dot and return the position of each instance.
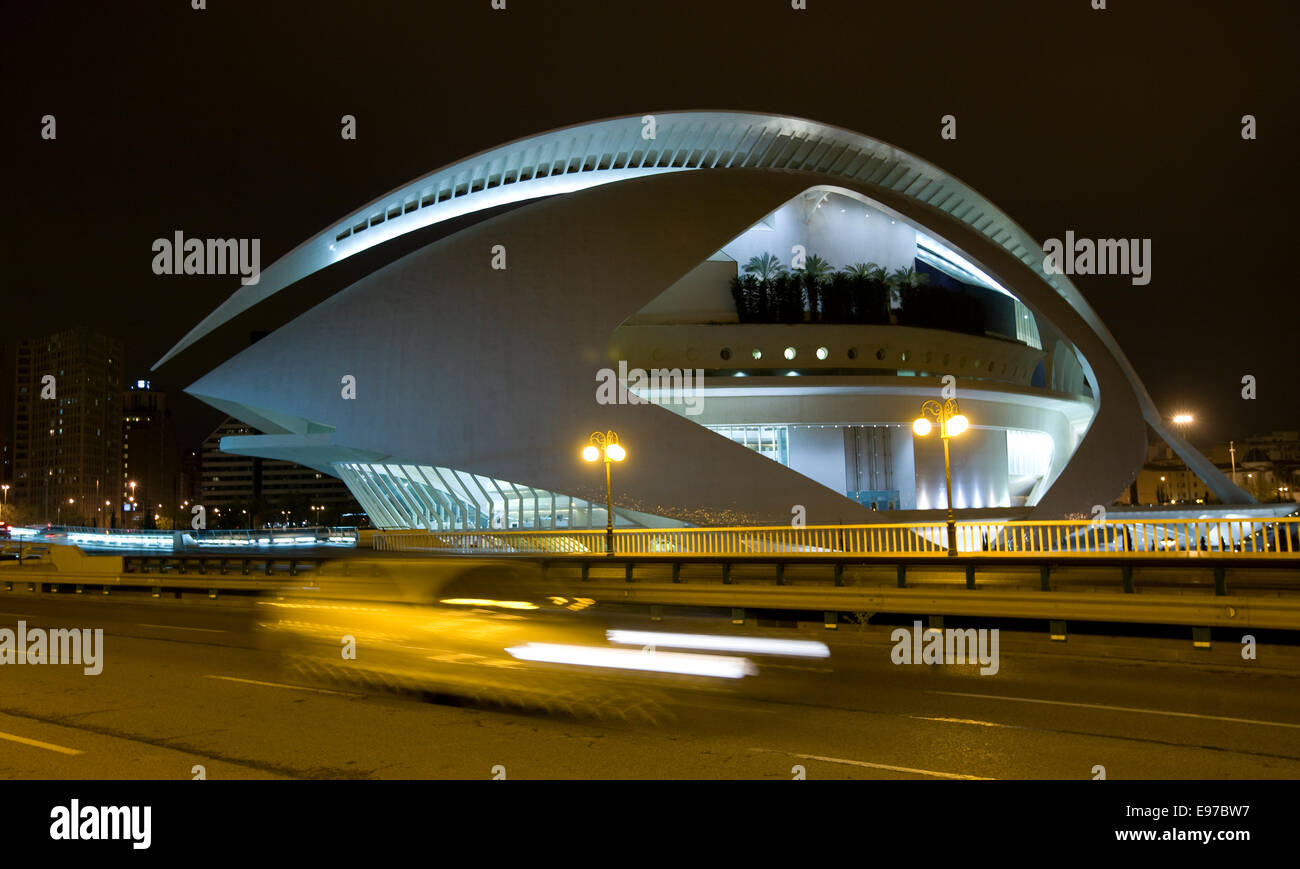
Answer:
(1135, 538)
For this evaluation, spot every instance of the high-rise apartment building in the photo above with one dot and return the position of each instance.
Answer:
(150, 458)
(67, 429)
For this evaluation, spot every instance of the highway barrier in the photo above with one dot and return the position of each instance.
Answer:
(1125, 539)
(1217, 588)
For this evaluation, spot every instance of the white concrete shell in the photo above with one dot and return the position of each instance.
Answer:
(463, 366)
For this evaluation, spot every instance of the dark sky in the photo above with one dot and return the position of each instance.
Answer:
(225, 123)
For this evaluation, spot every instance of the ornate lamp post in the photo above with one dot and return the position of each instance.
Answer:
(605, 445)
(951, 423)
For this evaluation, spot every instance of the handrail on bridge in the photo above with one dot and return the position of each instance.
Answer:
(1127, 538)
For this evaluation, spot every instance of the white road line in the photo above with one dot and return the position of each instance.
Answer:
(282, 685)
(38, 744)
(961, 721)
(928, 772)
(1122, 709)
(179, 628)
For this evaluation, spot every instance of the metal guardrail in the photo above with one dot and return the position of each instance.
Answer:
(1123, 539)
(1215, 590)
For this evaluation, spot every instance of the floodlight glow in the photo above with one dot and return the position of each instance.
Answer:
(750, 645)
(1183, 418)
(921, 427)
(683, 663)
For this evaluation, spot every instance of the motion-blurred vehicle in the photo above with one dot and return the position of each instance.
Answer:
(478, 630)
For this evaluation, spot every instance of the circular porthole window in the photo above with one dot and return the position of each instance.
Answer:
(789, 353)
(880, 354)
(726, 353)
(853, 353)
(823, 353)
(756, 353)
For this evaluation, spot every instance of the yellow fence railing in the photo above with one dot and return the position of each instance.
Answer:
(1137, 538)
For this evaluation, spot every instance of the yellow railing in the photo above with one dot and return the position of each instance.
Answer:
(1137, 538)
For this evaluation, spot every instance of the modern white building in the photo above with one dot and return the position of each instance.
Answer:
(454, 386)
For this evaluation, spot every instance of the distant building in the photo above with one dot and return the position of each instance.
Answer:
(245, 491)
(1278, 446)
(1266, 466)
(6, 416)
(67, 427)
(191, 477)
(149, 454)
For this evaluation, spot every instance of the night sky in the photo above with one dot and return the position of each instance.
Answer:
(225, 123)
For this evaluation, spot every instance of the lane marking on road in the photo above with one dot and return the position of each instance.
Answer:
(283, 685)
(1121, 709)
(929, 772)
(36, 743)
(180, 628)
(962, 721)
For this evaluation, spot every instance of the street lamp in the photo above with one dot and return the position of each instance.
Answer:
(951, 423)
(5, 488)
(606, 445)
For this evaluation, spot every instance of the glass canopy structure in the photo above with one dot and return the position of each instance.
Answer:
(445, 499)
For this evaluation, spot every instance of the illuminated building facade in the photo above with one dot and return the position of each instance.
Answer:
(821, 283)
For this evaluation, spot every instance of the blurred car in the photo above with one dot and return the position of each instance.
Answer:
(479, 630)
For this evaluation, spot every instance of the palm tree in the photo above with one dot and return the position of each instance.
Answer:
(869, 271)
(816, 272)
(908, 277)
(765, 267)
(816, 268)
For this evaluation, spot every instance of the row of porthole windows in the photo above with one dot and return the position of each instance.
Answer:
(823, 353)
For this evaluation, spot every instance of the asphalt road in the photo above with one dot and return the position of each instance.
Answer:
(188, 684)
